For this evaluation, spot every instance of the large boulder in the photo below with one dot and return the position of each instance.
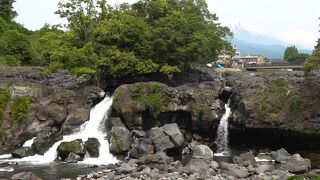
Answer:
(22, 152)
(44, 141)
(141, 147)
(77, 115)
(120, 140)
(158, 160)
(234, 170)
(92, 146)
(297, 164)
(202, 152)
(281, 155)
(76, 147)
(160, 140)
(173, 131)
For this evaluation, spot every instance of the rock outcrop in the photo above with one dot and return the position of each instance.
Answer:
(54, 104)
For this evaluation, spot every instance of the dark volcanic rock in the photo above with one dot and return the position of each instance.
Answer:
(92, 146)
(22, 152)
(141, 147)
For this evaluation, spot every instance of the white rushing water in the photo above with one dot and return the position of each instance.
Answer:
(94, 128)
(222, 140)
(28, 143)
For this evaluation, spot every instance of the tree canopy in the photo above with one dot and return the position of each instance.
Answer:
(6, 10)
(149, 36)
(313, 62)
(292, 55)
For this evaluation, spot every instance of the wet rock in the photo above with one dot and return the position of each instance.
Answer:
(141, 147)
(72, 158)
(234, 170)
(202, 151)
(225, 93)
(44, 141)
(77, 115)
(76, 147)
(92, 146)
(25, 176)
(120, 140)
(160, 140)
(23, 152)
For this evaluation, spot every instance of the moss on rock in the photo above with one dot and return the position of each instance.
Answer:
(20, 107)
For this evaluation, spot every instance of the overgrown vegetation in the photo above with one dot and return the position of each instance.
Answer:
(20, 108)
(313, 62)
(149, 96)
(100, 40)
(273, 98)
(4, 99)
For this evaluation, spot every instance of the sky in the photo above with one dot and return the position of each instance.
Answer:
(293, 21)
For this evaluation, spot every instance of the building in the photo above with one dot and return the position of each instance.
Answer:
(254, 60)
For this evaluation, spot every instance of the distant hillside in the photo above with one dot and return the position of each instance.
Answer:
(249, 41)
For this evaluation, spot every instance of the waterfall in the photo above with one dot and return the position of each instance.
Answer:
(94, 128)
(222, 133)
(28, 143)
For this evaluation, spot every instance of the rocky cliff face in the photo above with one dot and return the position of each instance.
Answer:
(285, 101)
(35, 106)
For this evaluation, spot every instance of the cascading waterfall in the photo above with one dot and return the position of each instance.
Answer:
(28, 143)
(94, 128)
(222, 133)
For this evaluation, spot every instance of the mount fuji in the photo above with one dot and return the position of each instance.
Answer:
(249, 41)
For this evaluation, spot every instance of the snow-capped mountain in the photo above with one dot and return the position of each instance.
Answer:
(249, 41)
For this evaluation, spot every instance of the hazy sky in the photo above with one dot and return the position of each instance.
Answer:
(293, 21)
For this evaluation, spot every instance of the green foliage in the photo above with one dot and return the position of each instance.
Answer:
(313, 62)
(166, 69)
(20, 107)
(273, 98)
(149, 96)
(52, 67)
(296, 106)
(83, 72)
(4, 99)
(290, 52)
(6, 10)
(304, 176)
(3, 136)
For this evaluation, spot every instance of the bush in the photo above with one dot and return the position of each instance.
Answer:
(20, 109)
(54, 66)
(83, 72)
(4, 99)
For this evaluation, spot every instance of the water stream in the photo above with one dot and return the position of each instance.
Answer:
(94, 128)
(222, 140)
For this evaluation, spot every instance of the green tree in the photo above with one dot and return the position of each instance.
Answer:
(6, 10)
(313, 62)
(290, 53)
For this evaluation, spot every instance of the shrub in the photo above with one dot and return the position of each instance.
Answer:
(54, 66)
(4, 99)
(83, 72)
(20, 109)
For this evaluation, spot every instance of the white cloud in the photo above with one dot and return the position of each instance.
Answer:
(297, 37)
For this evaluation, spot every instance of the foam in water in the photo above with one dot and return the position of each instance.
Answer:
(28, 143)
(222, 133)
(94, 128)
